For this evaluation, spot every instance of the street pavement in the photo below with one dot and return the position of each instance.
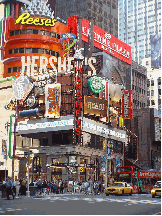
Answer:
(79, 204)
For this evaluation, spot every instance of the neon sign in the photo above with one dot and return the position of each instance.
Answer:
(78, 104)
(95, 84)
(26, 19)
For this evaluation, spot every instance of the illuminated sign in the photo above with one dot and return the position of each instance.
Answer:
(25, 18)
(95, 84)
(68, 35)
(78, 101)
(127, 105)
(53, 100)
(95, 106)
(103, 40)
(124, 175)
(64, 65)
(89, 126)
(22, 87)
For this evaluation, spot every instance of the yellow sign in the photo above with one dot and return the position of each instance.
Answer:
(26, 19)
(53, 100)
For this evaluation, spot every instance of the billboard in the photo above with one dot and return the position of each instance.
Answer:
(127, 105)
(52, 100)
(95, 106)
(155, 51)
(103, 40)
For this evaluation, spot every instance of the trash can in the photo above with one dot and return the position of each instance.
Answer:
(32, 190)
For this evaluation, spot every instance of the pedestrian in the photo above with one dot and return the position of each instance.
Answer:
(95, 187)
(14, 187)
(23, 185)
(56, 188)
(65, 186)
(86, 187)
(62, 187)
(39, 187)
(9, 188)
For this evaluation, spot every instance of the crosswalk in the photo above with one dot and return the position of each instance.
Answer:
(128, 201)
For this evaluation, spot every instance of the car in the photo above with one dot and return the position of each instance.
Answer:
(119, 188)
(156, 191)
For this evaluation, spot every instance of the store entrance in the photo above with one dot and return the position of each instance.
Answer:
(56, 177)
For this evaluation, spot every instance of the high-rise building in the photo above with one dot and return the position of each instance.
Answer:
(138, 20)
(104, 13)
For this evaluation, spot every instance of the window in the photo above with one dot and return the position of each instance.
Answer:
(159, 81)
(152, 92)
(17, 32)
(23, 31)
(152, 82)
(14, 69)
(11, 33)
(16, 50)
(147, 63)
(53, 52)
(29, 31)
(21, 50)
(28, 50)
(9, 70)
(10, 51)
(148, 83)
(159, 91)
(34, 50)
(35, 31)
(152, 102)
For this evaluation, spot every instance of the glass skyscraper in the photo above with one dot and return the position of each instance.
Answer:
(138, 20)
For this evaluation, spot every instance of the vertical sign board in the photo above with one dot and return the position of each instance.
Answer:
(78, 104)
(52, 100)
(127, 105)
(4, 150)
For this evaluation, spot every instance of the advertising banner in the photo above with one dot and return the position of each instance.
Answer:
(4, 147)
(117, 161)
(103, 40)
(127, 105)
(103, 163)
(155, 51)
(95, 106)
(52, 100)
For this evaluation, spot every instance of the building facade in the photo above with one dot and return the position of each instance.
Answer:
(104, 13)
(138, 20)
(28, 51)
(154, 94)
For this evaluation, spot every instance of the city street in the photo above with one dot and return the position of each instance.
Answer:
(73, 204)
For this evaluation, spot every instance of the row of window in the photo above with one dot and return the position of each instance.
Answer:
(18, 69)
(34, 31)
(33, 50)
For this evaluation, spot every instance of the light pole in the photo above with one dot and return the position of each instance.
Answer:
(105, 162)
(27, 154)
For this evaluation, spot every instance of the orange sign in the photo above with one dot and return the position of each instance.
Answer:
(53, 100)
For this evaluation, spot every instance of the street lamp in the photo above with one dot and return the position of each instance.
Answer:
(27, 154)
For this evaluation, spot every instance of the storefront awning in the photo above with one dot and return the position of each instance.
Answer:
(66, 123)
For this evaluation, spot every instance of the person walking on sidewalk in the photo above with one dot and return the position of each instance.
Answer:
(9, 188)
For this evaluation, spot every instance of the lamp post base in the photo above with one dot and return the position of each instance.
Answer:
(28, 193)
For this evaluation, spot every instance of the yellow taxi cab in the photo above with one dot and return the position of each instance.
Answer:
(156, 191)
(119, 188)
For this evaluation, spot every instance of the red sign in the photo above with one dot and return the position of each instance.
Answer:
(103, 40)
(78, 104)
(127, 105)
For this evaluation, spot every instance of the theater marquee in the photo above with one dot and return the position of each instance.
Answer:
(95, 106)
